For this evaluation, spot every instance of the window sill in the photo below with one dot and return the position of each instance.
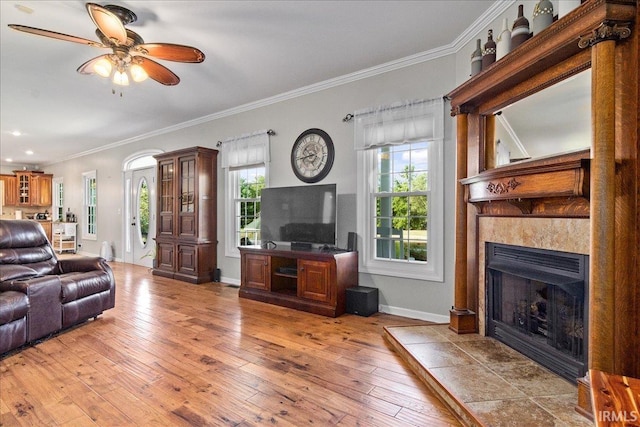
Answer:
(404, 271)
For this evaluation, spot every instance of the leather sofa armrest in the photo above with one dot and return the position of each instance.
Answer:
(33, 286)
(45, 307)
(83, 265)
(73, 265)
(18, 285)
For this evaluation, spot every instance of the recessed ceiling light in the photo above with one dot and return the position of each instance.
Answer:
(16, 133)
(28, 152)
(8, 160)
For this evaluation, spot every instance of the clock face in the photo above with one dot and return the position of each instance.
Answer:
(312, 155)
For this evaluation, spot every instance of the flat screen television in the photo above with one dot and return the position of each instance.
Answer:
(301, 214)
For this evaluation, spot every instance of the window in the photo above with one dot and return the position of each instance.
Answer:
(245, 160)
(58, 200)
(401, 199)
(247, 185)
(89, 207)
(400, 192)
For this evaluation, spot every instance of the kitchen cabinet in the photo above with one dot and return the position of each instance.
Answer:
(48, 229)
(42, 190)
(186, 237)
(10, 183)
(34, 188)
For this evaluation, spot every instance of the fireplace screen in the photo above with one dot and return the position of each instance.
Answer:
(536, 303)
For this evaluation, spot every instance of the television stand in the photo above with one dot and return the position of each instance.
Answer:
(314, 280)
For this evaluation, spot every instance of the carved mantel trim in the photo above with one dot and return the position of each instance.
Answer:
(500, 188)
(608, 30)
(525, 183)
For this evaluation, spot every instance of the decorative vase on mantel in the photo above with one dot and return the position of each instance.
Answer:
(542, 16)
(476, 59)
(520, 31)
(489, 52)
(503, 42)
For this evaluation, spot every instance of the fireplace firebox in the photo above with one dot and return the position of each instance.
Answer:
(537, 303)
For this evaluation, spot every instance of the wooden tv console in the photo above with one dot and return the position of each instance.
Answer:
(312, 280)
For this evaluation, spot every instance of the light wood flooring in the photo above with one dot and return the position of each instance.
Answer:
(173, 353)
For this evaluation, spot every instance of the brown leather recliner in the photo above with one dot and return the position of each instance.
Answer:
(59, 293)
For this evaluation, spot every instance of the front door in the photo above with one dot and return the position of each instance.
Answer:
(141, 216)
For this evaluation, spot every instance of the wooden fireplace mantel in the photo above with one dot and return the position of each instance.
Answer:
(534, 186)
(602, 184)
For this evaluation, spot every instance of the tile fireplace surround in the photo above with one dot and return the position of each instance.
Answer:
(559, 234)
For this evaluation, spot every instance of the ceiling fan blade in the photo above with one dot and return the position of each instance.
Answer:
(108, 23)
(89, 66)
(170, 52)
(157, 72)
(54, 35)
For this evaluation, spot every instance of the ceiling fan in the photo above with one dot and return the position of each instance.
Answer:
(130, 55)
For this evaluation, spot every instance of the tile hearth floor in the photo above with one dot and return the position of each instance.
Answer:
(485, 382)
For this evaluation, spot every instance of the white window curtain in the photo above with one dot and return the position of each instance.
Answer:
(399, 123)
(245, 150)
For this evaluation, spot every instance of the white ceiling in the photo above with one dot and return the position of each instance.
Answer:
(255, 51)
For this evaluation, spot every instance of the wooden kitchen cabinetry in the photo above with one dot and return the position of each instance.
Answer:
(48, 229)
(33, 188)
(10, 189)
(186, 237)
(313, 281)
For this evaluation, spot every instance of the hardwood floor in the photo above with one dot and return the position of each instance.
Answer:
(173, 353)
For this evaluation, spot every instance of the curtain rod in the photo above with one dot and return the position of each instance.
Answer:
(269, 132)
(350, 116)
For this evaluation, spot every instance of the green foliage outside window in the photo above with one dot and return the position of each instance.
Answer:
(144, 212)
(250, 185)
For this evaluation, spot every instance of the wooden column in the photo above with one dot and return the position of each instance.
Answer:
(602, 316)
(490, 142)
(461, 319)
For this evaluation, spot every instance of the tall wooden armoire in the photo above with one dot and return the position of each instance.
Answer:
(186, 238)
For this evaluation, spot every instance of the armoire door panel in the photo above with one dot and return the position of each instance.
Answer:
(187, 259)
(187, 226)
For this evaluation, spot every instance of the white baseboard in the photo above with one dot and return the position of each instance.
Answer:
(230, 281)
(414, 314)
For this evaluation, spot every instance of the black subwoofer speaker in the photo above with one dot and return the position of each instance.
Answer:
(362, 300)
(352, 242)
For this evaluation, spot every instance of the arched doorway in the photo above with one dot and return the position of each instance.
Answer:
(139, 213)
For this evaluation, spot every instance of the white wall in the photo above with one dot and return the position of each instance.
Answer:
(325, 110)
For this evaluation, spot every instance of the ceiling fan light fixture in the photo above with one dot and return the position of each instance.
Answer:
(120, 78)
(131, 57)
(103, 67)
(138, 74)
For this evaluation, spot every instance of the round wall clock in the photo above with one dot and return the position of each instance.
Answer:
(312, 155)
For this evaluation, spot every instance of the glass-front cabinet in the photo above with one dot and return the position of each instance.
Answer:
(34, 188)
(186, 235)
